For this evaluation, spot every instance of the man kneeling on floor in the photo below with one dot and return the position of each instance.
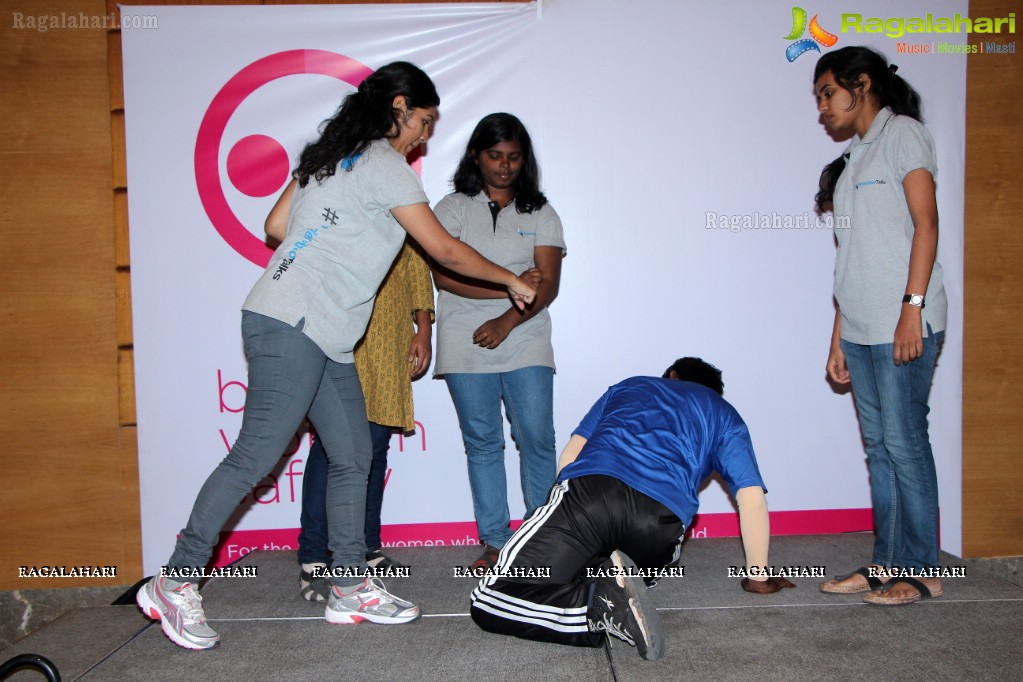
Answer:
(628, 483)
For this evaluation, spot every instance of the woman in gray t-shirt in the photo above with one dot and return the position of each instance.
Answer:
(890, 316)
(355, 200)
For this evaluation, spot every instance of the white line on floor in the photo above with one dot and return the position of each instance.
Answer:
(939, 600)
(243, 620)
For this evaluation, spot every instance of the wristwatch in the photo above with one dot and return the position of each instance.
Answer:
(914, 300)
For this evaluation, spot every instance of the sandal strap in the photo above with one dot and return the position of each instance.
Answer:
(873, 582)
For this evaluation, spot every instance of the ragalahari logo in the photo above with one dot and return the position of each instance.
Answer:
(818, 35)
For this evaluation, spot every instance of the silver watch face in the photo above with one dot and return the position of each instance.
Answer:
(916, 299)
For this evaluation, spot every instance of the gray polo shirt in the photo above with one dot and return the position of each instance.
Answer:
(510, 244)
(341, 241)
(872, 264)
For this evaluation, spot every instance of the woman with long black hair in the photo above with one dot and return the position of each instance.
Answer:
(355, 200)
(891, 308)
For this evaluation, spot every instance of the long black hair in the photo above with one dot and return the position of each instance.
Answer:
(847, 65)
(365, 115)
(494, 129)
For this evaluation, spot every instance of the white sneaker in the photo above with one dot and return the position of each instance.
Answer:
(180, 613)
(369, 601)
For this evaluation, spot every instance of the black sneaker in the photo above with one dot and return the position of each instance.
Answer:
(618, 607)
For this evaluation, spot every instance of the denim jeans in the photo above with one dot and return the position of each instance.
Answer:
(312, 540)
(289, 377)
(528, 396)
(892, 405)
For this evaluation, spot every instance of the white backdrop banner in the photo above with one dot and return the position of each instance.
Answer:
(679, 142)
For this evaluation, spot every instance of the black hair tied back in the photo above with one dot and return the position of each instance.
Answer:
(847, 65)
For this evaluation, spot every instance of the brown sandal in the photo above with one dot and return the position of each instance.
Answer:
(882, 598)
(834, 586)
(487, 560)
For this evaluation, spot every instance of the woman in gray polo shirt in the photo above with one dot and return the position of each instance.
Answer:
(890, 318)
(489, 351)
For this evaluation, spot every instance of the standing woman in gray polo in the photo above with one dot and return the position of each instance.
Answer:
(890, 319)
(488, 350)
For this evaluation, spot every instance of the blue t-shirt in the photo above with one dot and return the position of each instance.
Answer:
(663, 437)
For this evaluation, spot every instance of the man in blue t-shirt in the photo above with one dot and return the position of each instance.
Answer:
(628, 483)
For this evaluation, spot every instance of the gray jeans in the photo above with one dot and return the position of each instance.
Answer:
(289, 377)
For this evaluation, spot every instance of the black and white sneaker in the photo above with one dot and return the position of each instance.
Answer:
(618, 606)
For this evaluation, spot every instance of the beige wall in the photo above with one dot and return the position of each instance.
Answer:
(70, 487)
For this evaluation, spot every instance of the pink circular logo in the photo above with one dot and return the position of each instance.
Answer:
(257, 165)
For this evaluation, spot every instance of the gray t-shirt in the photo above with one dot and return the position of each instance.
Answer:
(509, 244)
(341, 240)
(872, 264)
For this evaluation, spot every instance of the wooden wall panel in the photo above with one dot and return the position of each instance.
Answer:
(993, 318)
(122, 293)
(71, 483)
(126, 388)
(120, 159)
(122, 252)
(114, 71)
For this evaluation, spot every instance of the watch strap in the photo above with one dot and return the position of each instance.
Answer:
(908, 298)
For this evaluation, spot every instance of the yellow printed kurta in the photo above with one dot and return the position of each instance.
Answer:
(382, 356)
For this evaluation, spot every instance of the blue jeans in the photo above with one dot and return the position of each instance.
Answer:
(289, 377)
(528, 396)
(312, 540)
(892, 405)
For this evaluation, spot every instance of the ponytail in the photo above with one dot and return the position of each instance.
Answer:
(901, 96)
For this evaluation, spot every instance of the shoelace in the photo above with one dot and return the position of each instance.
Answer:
(607, 625)
(191, 604)
(375, 586)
